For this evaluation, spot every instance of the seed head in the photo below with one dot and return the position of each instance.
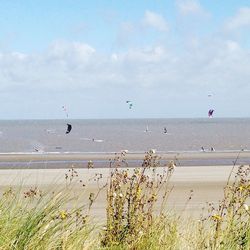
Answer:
(246, 207)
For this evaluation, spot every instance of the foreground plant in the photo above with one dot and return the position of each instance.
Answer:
(132, 196)
(137, 218)
(227, 226)
(35, 221)
(232, 219)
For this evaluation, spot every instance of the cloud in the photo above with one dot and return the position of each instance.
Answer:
(74, 66)
(156, 21)
(60, 65)
(240, 20)
(190, 7)
(213, 64)
(64, 50)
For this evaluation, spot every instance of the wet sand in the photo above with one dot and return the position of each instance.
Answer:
(56, 160)
(129, 156)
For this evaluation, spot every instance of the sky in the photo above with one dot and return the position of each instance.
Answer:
(166, 56)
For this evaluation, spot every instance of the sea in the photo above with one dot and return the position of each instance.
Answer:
(134, 135)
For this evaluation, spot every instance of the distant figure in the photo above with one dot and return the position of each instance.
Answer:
(212, 149)
(96, 140)
(165, 130)
(36, 150)
(50, 131)
(147, 129)
(202, 149)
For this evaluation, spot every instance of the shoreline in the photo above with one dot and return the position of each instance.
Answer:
(55, 160)
(130, 155)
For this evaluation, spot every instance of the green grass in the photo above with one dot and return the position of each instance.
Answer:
(136, 214)
(40, 222)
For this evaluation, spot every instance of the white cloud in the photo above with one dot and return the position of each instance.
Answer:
(190, 7)
(156, 21)
(240, 20)
(83, 67)
(66, 51)
(74, 67)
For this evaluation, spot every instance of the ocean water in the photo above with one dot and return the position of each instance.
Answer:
(113, 135)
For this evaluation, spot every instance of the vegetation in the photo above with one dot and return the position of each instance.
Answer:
(136, 213)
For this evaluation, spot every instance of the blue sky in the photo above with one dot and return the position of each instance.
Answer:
(92, 56)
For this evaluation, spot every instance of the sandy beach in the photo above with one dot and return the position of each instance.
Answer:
(207, 183)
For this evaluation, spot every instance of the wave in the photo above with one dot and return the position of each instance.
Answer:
(128, 152)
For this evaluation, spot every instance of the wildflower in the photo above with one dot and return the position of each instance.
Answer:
(171, 166)
(152, 151)
(241, 188)
(125, 151)
(84, 219)
(120, 195)
(216, 217)
(136, 171)
(90, 164)
(114, 195)
(246, 207)
(125, 174)
(91, 196)
(63, 215)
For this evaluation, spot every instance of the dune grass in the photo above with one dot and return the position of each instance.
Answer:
(136, 214)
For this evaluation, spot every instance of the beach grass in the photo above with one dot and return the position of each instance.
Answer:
(137, 213)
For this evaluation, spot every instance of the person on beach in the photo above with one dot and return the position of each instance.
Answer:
(202, 149)
(165, 131)
(212, 149)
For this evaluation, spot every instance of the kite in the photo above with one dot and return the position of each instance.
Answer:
(130, 104)
(210, 112)
(68, 128)
(65, 111)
